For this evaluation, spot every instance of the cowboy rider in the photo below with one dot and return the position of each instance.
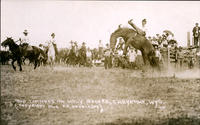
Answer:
(143, 30)
(25, 38)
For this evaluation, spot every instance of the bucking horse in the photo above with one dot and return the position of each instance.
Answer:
(132, 38)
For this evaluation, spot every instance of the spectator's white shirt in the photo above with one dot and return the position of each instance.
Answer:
(132, 56)
(120, 52)
(198, 53)
(139, 52)
(25, 39)
(89, 54)
(100, 45)
(157, 54)
(107, 53)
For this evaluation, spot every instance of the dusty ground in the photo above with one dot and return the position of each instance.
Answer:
(96, 96)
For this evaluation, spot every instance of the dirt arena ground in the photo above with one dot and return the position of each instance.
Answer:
(95, 96)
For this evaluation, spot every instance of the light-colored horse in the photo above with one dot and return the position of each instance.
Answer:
(51, 54)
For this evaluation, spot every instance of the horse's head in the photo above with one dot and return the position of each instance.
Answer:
(9, 41)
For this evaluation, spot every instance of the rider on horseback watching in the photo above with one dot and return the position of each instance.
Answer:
(25, 39)
(52, 38)
(143, 30)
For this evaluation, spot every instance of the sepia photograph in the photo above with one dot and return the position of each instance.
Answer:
(100, 62)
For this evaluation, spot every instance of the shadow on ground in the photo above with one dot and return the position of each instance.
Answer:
(182, 120)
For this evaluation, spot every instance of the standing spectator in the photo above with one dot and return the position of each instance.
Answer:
(139, 59)
(108, 58)
(191, 59)
(82, 53)
(132, 57)
(180, 57)
(158, 56)
(154, 42)
(196, 34)
(198, 56)
(89, 57)
(120, 44)
(100, 47)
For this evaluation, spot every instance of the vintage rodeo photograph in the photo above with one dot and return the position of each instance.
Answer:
(100, 62)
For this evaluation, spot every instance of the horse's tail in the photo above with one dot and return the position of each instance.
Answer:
(120, 32)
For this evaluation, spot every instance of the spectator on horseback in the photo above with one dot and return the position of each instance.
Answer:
(143, 30)
(25, 38)
(52, 38)
(24, 41)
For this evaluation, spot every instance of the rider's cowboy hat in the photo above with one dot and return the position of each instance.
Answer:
(25, 32)
(53, 34)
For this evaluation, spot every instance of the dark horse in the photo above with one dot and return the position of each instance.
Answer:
(15, 50)
(19, 51)
(35, 55)
(131, 37)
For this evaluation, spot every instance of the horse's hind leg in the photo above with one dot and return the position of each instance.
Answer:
(20, 64)
(13, 64)
(35, 64)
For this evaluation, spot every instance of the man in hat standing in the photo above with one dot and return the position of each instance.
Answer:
(100, 46)
(108, 57)
(143, 30)
(196, 34)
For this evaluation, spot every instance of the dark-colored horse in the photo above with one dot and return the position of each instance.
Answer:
(19, 51)
(34, 55)
(16, 51)
(132, 38)
(5, 56)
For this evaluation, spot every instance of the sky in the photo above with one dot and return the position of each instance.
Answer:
(91, 21)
